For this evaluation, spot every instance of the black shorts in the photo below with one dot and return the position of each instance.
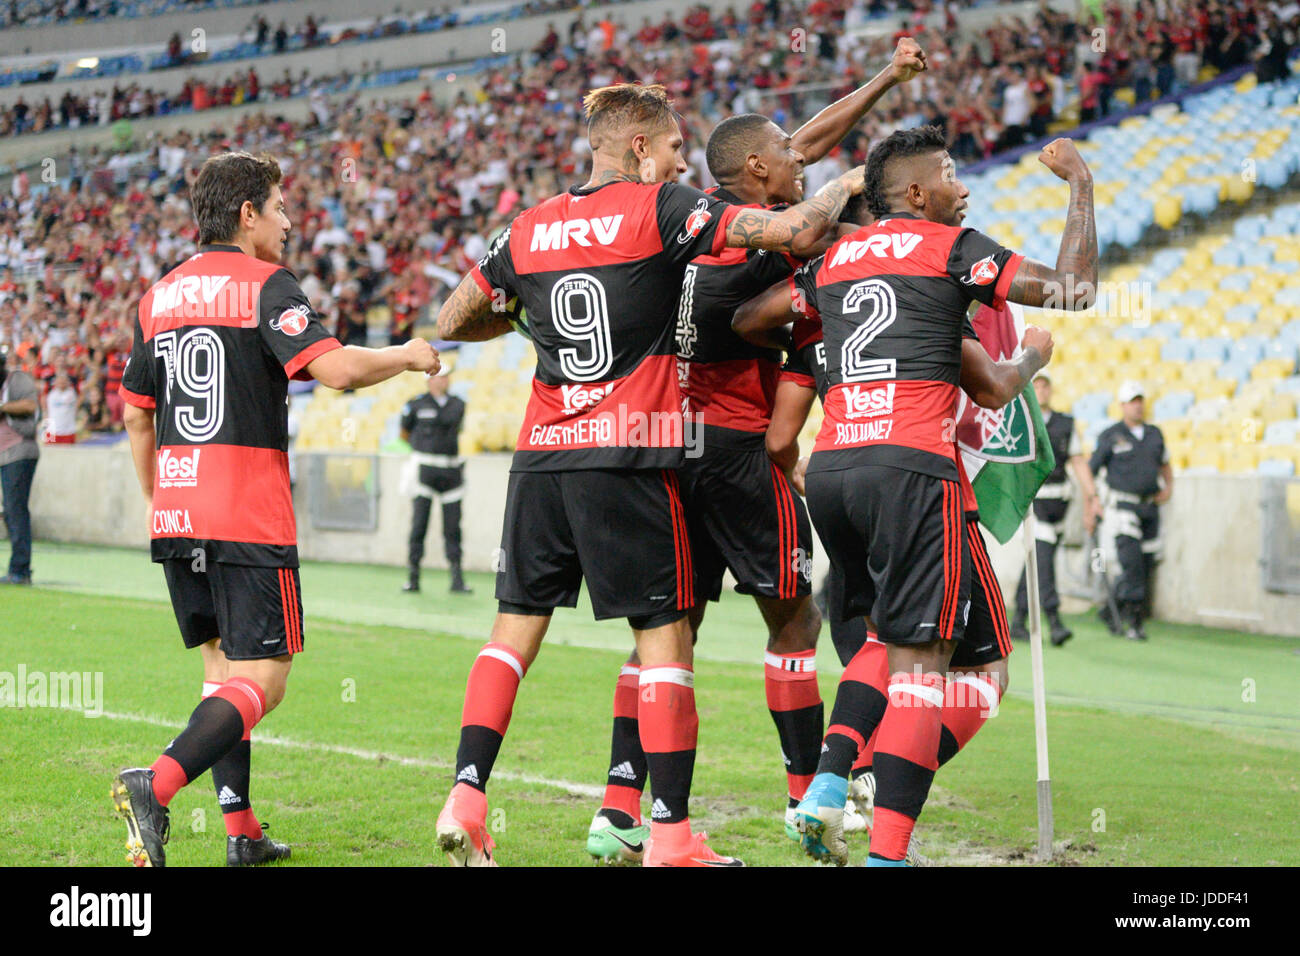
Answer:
(623, 531)
(900, 539)
(256, 611)
(743, 515)
(987, 636)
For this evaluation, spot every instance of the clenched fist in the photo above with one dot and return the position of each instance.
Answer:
(1062, 157)
(422, 357)
(1039, 339)
(855, 179)
(909, 60)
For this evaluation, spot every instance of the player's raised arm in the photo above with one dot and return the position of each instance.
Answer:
(1072, 285)
(817, 137)
(993, 384)
(797, 229)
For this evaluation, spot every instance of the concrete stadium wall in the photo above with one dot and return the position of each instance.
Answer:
(1210, 575)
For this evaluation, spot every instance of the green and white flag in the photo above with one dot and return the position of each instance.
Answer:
(1005, 451)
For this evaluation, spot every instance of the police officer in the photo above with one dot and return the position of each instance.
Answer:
(1050, 505)
(1138, 480)
(432, 423)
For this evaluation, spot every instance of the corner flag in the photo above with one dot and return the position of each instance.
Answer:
(1005, 451)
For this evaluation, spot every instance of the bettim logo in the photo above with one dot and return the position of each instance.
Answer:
(550, 236)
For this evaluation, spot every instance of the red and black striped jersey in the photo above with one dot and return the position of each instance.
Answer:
(599, 272)
(727, 382)
(216, 341)
(893, 299)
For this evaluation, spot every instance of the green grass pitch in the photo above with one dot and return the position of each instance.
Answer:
(1184, 750)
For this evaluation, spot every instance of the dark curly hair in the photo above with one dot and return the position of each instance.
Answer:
(901, 144)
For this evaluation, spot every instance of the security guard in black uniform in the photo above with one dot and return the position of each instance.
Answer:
(1050, 505)
(1138, 480)
(432, 423)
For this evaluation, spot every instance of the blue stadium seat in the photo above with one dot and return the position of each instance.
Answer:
(1215, 349)
(1276, 468)
(1173, 405)
(1178, 350)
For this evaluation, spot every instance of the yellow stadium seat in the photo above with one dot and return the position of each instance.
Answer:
(1204, 456)
(1169, 209)
(1240, 189)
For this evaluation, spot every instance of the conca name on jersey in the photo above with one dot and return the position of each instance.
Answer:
(548, 236)
(178, 471)
(895, 246)
(172, 521)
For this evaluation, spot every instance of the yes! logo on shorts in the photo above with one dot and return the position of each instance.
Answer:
(982, 272)
(291, 321)
(696, 221)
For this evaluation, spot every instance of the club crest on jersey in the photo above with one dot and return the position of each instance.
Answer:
(696, 221)
(982, 272)
(291, 321)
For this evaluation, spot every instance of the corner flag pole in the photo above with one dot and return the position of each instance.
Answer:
(1045, 823)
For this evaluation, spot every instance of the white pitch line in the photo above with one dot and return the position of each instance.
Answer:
(577, 789)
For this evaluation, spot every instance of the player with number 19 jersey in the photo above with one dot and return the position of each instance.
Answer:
(599, 271)
(216, 341)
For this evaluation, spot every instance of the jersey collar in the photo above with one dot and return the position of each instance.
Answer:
(219, 247)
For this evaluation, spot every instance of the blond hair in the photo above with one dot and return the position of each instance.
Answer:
(626, 108)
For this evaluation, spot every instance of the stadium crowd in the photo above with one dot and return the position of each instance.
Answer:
(391, 205)
(1031, 67)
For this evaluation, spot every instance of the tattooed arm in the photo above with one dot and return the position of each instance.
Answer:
(993, 384)
(1072, 285)
(797, 229)
(469, 315)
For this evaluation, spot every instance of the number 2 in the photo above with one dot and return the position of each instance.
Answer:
(882, 310)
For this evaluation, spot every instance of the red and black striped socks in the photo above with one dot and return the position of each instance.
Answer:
(795, 702)
(859, 706)
(219, 723)
(231, 777)
(968, 701)
(489, 699)
(906, 758)
(626, 779)
(669, 728)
